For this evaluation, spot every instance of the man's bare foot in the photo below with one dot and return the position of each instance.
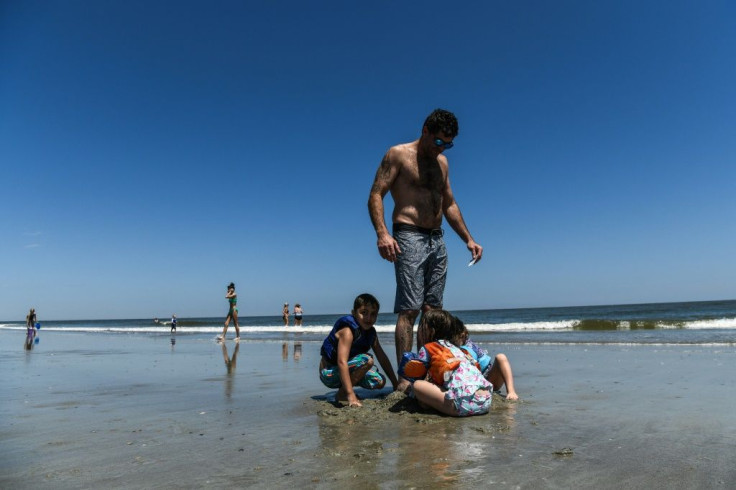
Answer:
(237, 339)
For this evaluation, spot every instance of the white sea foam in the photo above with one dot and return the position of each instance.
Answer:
(385, 328)
(521, 327)
(723, 323)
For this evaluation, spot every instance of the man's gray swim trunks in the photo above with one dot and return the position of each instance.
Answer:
(421, 267)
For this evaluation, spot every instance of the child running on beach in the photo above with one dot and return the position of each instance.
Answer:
(345, 360)
(497, 372)
(454, 386)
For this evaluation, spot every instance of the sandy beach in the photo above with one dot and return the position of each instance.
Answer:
(136, 411)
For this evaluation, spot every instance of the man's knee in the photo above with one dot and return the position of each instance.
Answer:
(426, 308)
(408, 316)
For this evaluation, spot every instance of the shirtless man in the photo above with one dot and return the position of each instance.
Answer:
(417, 175)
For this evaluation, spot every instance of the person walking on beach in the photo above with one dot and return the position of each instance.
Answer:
(285, 314)
(30, 329)
(232, 314)
(31, 318)
(298, 313)
(418, 177)
(173, 323)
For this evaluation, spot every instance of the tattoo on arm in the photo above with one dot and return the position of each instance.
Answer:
(383, 176)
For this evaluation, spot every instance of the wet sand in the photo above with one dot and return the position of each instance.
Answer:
(129, 411)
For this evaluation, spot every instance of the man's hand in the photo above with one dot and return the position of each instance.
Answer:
(388, 248)
(476, 250)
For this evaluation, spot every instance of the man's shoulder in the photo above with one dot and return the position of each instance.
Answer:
(402, 151)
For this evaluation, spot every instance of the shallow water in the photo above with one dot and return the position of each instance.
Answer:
(81, 410)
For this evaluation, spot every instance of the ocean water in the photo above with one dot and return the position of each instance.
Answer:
(699, 323)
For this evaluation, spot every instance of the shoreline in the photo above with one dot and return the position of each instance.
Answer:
(88, 410)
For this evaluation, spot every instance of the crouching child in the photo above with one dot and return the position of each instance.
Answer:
(346, 362)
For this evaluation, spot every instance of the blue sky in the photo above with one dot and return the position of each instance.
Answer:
(152, 152)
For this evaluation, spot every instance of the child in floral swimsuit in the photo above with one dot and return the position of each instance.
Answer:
(454, 385)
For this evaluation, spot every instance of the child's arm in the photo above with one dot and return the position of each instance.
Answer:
(344, 342)
(385, 363)
(481, 355)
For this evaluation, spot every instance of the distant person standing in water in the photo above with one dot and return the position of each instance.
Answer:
(298, 313)
(173, 323)
(285, 314)
(31, 318)
(232, 314)
(418, 177)
(30, 329)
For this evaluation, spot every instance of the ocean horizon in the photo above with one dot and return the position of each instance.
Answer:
(700, 322)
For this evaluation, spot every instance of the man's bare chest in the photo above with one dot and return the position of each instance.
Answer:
(424, 176)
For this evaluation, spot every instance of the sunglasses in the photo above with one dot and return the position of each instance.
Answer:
(444, 144)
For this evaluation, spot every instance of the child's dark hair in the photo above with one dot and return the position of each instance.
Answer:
(366, 299)
(231, 285)
(440, 325)
(460, 331)
(442, 120)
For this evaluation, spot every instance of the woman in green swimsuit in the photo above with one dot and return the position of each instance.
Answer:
(232, 298)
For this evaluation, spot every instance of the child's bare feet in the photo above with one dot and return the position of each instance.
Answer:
(404, 385)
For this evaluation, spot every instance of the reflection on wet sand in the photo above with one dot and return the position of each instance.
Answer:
(455, 451)
(297, 351)
(230, 364)
(393, 437)
(436, 455)
(345, 444)
(503, 412)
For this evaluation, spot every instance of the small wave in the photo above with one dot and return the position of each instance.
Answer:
(388, 328)
(589, 325)
(722, 323)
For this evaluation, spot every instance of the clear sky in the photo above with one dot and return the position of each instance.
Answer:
(151, 152)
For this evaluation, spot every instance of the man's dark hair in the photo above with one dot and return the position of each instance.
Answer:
(366, 299)
(442, 120)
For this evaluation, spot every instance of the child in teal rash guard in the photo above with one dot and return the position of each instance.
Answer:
(345, 360)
